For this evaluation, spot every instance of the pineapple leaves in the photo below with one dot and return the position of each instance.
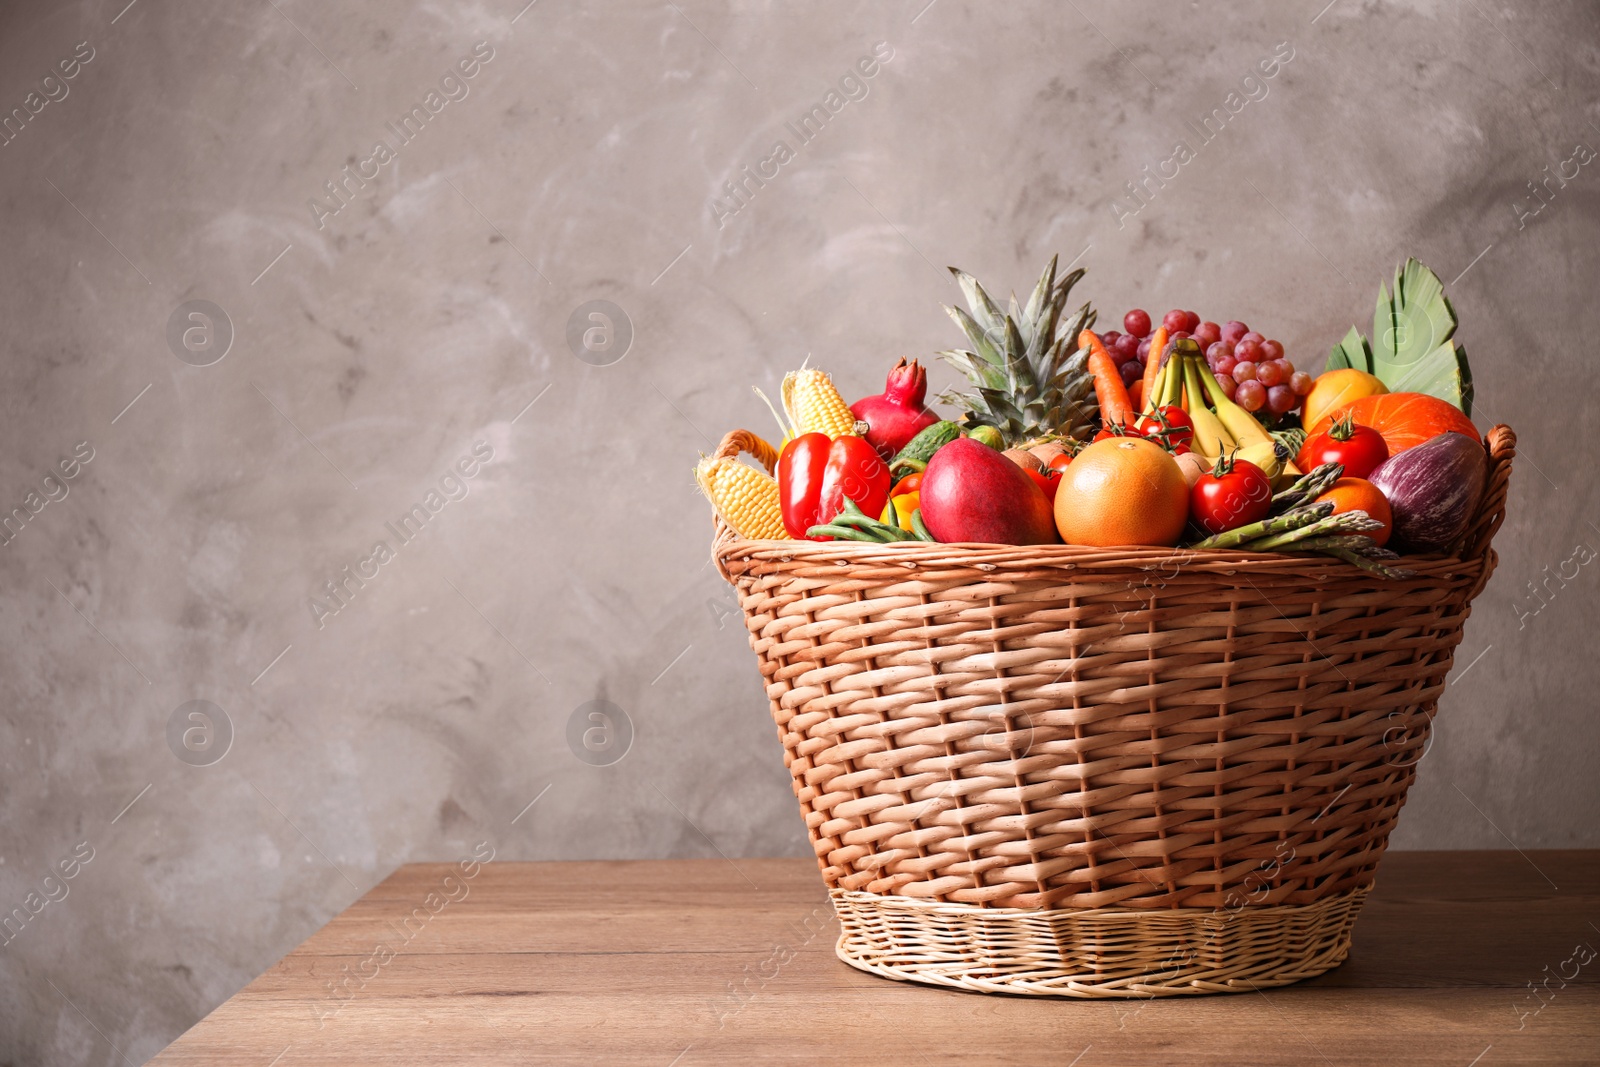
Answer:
(981, 340)
(1016, 351)
(974, 367)
(1045, 290)
(983, 309)
(1411, 350)
(1029, 378)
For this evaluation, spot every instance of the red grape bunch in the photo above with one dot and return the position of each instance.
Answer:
(1251, 369)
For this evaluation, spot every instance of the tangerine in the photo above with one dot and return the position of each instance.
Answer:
(1358, 494)
(1334, 389)
(1122, 491)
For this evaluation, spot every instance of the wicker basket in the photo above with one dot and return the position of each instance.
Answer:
(1100, 773)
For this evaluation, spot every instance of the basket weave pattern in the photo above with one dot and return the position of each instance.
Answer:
(1104, 952)
(1058, 727)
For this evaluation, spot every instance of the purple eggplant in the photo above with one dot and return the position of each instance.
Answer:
(1434, 489)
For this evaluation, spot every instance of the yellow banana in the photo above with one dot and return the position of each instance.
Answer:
(1272, 459)
(1243, 425)
(1288, 475)
(1264, 455)
(1211, 438)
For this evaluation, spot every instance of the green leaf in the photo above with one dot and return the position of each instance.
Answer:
(981, 341)
(1042, 292)
(999, 402)
(1411, 350)
(1083, 320)
(983, 309)
(1064, 285)
(967, 404)
(1438, 373)
(1417, 321)
(980, 372)
(1016, 350)
(1353, 351)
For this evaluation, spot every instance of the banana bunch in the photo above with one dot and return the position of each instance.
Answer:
(1230, 429)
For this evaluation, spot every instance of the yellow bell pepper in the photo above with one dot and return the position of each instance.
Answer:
(904, 505)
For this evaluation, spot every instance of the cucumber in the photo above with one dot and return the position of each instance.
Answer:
(921, 448)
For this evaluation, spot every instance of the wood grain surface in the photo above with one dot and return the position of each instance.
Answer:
(692, 962)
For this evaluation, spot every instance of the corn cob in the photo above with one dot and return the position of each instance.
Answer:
(814, 405)
(746, 498)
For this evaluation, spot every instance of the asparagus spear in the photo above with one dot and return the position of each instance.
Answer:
(1277, 524)
(1343, 523)
(1353, 542)
(1371, 565)
(1306, 488)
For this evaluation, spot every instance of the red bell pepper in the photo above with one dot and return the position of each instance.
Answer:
(816, 474)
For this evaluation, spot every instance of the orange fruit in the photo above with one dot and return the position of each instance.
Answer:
(1358, 494)
(1336, 388)
(1122, 491)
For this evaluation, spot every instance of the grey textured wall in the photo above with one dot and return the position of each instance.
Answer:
(375, 347)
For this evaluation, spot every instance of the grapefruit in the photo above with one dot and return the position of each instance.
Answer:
(1122, 491)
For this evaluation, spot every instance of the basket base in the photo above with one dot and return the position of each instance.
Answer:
(1102, 952)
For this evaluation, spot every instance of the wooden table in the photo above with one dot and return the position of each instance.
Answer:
(683, 963)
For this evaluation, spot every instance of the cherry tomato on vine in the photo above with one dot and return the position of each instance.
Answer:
(1170, 427)
(1234, 493)
(1116, 429)
(1059, 463)
(1048, 482)
(1359, 448)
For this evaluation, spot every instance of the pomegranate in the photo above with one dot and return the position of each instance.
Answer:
(897, 414)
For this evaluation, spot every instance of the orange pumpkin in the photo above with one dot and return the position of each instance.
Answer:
(1404, 419)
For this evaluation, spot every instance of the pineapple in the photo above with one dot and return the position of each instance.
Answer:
(1030, 379)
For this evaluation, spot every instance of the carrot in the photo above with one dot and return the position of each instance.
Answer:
(1109, 390)
(1136, 395)
(1152, 366)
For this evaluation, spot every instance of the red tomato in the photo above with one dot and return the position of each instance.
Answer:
(1048, 482)
(1359, 448)
(1352, 494)
(1116, 429)
(1235, 493)
(1059, 463)
(1170, 427)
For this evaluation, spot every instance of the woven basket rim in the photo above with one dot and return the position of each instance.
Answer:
(1067, 557)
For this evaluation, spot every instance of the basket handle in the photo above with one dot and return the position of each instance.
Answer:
(737, 441)
(734, 443)
(1501, 443)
